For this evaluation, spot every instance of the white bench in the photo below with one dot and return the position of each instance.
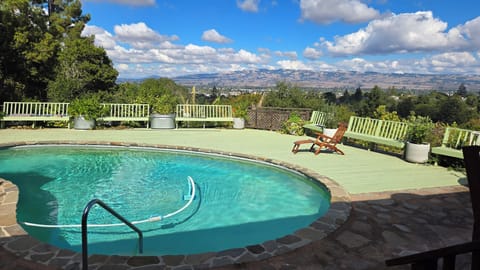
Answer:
(203, 113)
(35, 111)
(126, 112)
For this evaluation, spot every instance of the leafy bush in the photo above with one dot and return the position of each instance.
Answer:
(420, 129)
(241, 103)
(88, 107)
(294, 125)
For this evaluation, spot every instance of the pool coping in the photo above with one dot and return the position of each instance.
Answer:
(16, 241)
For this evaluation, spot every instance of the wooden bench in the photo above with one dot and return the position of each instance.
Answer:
(453, 141)
(203, 113)
(127, 112)
(35, 111)
(385, 132)
(317, 121)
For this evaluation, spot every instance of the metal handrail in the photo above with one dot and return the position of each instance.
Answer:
(86, 211)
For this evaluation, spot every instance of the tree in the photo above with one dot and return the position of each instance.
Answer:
(27, 51)
(462, 90)
(358, 95)
(345, 98)
(373, 99)
(82, 68)
(330, 97)
(455, 110)
(31, 43)
(405, 107)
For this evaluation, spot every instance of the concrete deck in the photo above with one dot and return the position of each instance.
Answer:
(397, 207)
(358, 171)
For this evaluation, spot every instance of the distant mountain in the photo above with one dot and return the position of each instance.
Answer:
(331, 80)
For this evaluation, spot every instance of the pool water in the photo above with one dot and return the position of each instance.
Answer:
(237, 203)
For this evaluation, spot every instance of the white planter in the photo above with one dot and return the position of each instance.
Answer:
(329, 132)
(417, 153)
(81, 123)
(162, 121)
(238, 123)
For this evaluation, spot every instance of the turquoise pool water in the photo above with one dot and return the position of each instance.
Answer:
(237, 202)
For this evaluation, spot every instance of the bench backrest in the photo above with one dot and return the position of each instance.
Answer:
(127, 110)
(35, 109)
(394, 130)
(456, 138)
(203, 111)
(318, 118)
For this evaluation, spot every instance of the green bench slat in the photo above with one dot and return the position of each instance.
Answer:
(317, 121)
(391, 133)
(447, 151)
(454, 139)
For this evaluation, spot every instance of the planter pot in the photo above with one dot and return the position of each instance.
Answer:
(81, 123)
(329, 131)
(238, 123)
(417, 153)
(162, 121)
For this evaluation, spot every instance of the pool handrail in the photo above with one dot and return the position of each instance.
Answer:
(86, 211)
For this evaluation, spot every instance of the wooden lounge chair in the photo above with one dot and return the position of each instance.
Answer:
(323, 141)
(428, 260)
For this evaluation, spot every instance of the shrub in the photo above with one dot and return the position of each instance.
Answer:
(294, 125)
(420, 129)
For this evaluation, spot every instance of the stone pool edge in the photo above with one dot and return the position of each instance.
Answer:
(16, 241)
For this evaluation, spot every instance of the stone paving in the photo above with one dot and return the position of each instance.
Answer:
(386, 225)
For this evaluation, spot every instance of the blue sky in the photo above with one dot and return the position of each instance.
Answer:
(176, 37)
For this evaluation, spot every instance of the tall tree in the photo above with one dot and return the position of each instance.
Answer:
(462, 90)
(36, 47)
(82, 68)
(27, 51)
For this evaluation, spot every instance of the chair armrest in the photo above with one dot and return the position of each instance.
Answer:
(321, 136)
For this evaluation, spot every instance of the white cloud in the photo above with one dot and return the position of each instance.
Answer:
(127, 2)
(192, 49)
(471, 31)
(244, 56)
(248, 5)
(311, 53)
(139, 35)
(213, 36)
(291, 54)
(295, 65)
(455, 62)
(122, 67)
(328, 11)
(408, 32)
(454, 59)
(102, 38)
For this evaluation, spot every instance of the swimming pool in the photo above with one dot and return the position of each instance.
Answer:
(238, 202)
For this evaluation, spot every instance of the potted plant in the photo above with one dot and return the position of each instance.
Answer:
(419, 131)
(163, 116)
(239, 115)
(331, 121)
(85, 111)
